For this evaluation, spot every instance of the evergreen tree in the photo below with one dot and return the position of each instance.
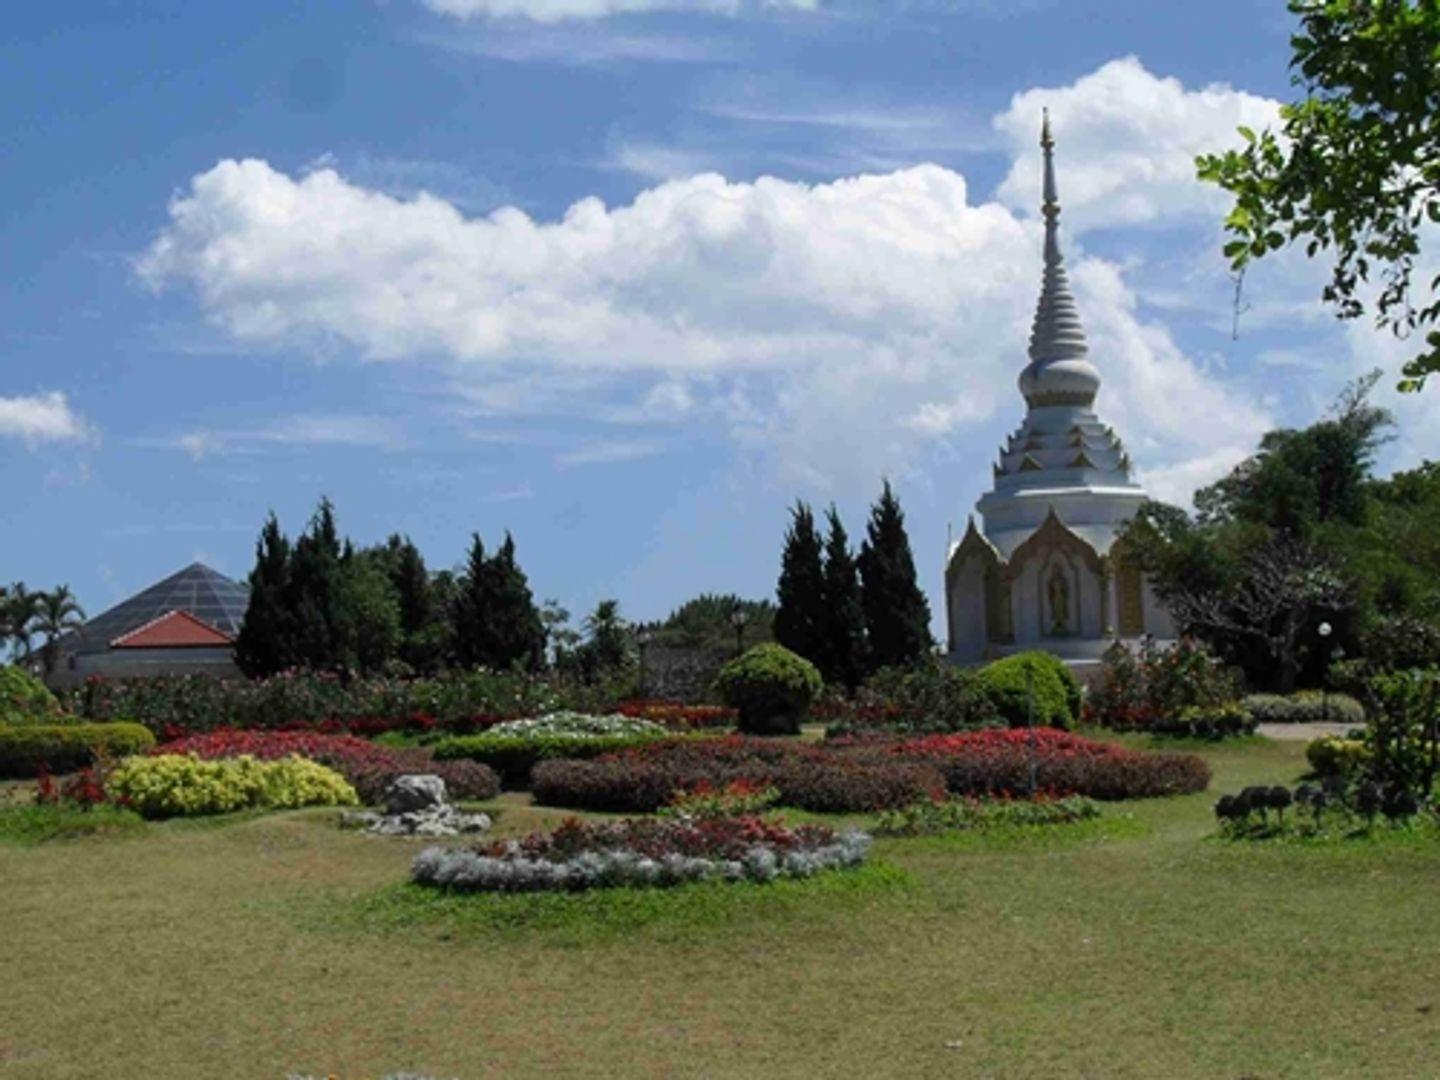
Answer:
(517, 632)
(897, 615)
(842, 615)
(800, 616)
(470, 607)
(367, 613)
(314, 581)
(265, 644)
(422, 634)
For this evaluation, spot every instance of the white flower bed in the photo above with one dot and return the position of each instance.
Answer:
(574, 725)
(466, 871)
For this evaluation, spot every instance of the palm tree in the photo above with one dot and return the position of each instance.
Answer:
(18, 607)
(56, 613)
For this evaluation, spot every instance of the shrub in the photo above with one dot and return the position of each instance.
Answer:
(1305, 707)
(927, 818)
(369, 768)
(60, 748)
(771, 687)
(738, 798)
(1003, 763)
(25, 698)
(807, 777)
(1056, 693)
(642, 853)
(174, 785)
(930, 698)
(1330, 755)
(514, 757)
(1155, 689)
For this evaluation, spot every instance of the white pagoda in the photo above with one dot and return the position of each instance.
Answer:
(1043, 569)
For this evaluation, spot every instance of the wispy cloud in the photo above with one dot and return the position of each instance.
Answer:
(608, 452)
(300, 430)
(551, 11)
(580, 45)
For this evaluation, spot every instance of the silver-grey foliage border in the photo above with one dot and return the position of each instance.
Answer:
(463, 870)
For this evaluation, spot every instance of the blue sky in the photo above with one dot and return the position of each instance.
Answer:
(625, 277)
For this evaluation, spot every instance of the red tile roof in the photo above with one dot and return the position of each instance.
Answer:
(173, 630)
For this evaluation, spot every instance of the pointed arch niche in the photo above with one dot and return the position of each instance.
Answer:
(1056, 577)
(978, 594)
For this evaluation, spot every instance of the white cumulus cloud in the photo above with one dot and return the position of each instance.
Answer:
(42, 418)
(834, 329)
(1126, 142)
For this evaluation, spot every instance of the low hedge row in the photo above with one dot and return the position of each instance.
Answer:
(62, 748)
(514, 757)
(1305, 707)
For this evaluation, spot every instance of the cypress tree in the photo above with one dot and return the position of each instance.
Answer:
(897, 615)
(313, 588)
(842, 615)
(421, 633)
(468, 610)
(799, 618)
(517, 631)
(265, 644)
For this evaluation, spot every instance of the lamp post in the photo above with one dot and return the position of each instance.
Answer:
(1324, 630)
(738, 618)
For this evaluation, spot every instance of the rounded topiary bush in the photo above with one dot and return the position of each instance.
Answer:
(24, 697)
(771, 687)
(1017, 680)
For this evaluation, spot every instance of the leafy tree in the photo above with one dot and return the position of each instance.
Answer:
(842, 615)
(1303, 479)
(368, 620)
(799, 616)
(56, 613)
(704, 622)
(17, 618)
(561, 639)
(607, 645)
(1355, 166)
(897, 615)
(265, 644)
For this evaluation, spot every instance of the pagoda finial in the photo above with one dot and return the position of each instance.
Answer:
(1057, 333)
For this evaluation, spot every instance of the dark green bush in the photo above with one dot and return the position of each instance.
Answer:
(24, 697)
(1056, 692)
(771, 687)
(932, 698)
(513, 756)
(66, 747)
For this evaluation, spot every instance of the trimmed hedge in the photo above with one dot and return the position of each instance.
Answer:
(1305, 707)
(1331, 756)
(807, 777)
(514, 757)
(63, 748)
(771, 687)
(1056, 693)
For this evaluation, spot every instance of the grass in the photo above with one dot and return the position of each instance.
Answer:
(1135, 945)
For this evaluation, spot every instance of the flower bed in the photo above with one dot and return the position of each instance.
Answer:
(999, 762)
(679, 717)
(807, 776)
(368, 767)
(927, 818)
(652, 853)
(180, 785)
(512, 749)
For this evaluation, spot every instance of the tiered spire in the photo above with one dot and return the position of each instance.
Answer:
(1057, 333)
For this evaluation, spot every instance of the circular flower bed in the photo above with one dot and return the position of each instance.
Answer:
(643, 852)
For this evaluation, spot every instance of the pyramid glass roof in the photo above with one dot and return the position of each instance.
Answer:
(198, 590)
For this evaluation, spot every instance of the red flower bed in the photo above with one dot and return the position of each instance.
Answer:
(808, 777)
(368, 767)
(678, 716)
(999, 762)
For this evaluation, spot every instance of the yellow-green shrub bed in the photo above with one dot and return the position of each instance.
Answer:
(173, 785)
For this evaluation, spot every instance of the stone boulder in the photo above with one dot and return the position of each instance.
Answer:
(407, 794)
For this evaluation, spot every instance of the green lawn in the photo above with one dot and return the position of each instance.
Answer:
(1133, 946)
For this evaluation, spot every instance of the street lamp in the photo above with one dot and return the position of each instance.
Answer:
(1324, 630)
(738, 619)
